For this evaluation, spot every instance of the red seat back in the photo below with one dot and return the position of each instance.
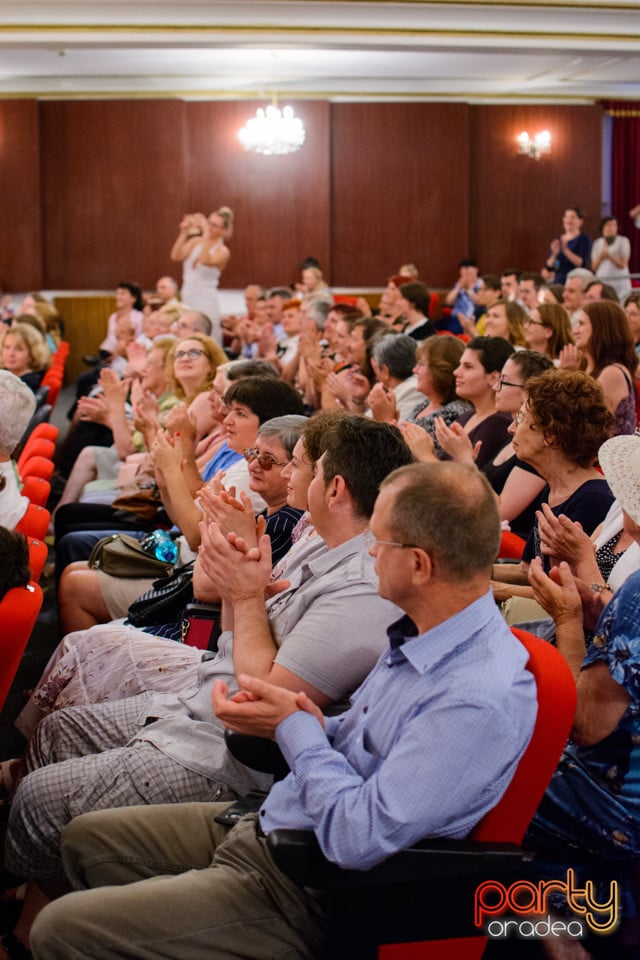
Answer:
(36, 489)
(38, 553)
(19, 611)
(36, 447)
(511, 546)
(509, 819)
(35, 522)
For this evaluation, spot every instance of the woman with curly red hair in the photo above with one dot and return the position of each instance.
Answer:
(562, 424)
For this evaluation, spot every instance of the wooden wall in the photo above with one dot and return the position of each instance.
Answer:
(92, 191)
(20, 197)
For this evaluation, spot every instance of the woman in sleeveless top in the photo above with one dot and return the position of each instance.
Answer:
(201, 248)
(604, 341)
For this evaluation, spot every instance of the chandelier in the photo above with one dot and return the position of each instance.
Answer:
(272, 131)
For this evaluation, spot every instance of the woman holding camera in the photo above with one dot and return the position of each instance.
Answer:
(201, 249)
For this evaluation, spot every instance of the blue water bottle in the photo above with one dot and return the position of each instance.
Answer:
(162, 546)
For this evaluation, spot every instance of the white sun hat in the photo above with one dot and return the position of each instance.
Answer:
(620, 461)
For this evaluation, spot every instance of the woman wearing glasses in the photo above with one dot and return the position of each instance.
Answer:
(86, 596)
(112, 661)
(547, 329)
(560, 428)
(517, 485)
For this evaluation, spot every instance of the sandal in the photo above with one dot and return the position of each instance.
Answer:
(13, 948)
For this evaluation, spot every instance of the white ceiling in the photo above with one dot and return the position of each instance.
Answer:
(562, 52)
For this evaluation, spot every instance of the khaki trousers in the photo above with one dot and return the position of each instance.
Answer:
(169, 882)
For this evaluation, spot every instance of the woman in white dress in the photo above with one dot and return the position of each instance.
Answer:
(201, 249)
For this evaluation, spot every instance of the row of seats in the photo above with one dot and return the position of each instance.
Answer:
(20, 607)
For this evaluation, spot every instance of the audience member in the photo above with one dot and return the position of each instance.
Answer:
(610, 258)
(321, 635)
(590, 809)
(505, 319)
(509, 284)
(477, 376)
(200, 247)
(632, 312)
(393, 358)
(437, 360)
(18, 404)
(547, 329)
(571, 249)
(14, 560)
(597, 290)
(530, 290)
(560, 428)
(603, 337)
(573, 293)
(517, 485)
(25, 354)
(462, 298)
(414, 305)
(451, 622)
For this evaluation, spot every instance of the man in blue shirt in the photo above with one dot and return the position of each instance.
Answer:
(428, 746)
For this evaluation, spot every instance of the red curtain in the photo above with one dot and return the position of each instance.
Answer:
(625, 172)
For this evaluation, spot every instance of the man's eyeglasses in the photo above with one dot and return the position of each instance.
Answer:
(192, 354)
(503, 382)
(265, 461)
(370, 541)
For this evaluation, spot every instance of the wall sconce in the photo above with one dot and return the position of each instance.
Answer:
(536, 146)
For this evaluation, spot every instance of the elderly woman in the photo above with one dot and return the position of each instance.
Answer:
(112, 661)
(87, 596)
(17, 403)
(25, 354)
(592, 805)
(393, 358)
(558, 431)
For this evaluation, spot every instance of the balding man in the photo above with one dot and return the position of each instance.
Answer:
(428, 746)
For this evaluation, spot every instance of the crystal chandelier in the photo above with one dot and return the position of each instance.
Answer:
(272, 131)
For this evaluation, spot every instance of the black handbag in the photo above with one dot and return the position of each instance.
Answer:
(165, 600)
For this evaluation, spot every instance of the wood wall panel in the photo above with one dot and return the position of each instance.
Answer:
(112, 190)
(516, 203)
(20, 250)
(280, 204)
(374, 186)
(399, 190)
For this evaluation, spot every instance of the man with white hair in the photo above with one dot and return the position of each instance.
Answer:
(574, 289)
(18, 403)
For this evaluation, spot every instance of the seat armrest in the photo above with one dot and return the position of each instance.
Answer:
(298, 854)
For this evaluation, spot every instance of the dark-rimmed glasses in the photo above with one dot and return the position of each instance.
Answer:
(264, 459)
